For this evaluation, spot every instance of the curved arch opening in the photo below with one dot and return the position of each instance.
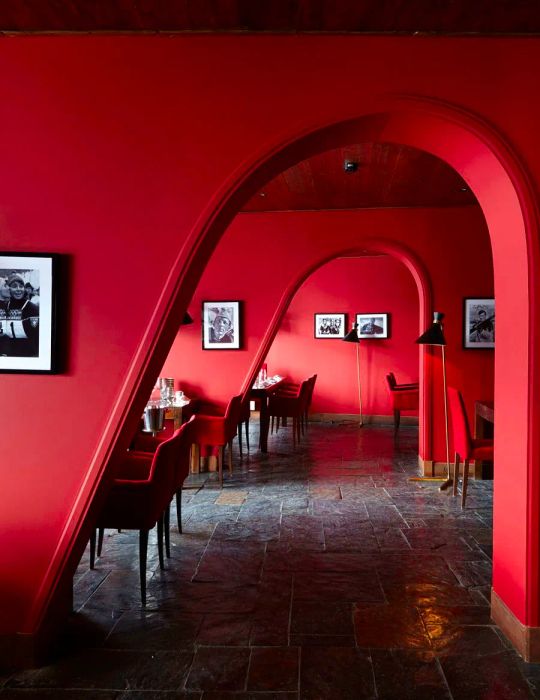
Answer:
(501, 187)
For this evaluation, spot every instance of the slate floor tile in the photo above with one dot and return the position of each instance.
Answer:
(219, 668)
(496, 676)
(336, 673)
(111, 669)
(314, 618)
(390, 627)
(274, 669)
(408, 675)
(225, 630)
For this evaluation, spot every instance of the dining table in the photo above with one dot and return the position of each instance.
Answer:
(261, 392)
(484, 419)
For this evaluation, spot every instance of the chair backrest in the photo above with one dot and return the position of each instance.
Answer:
(303, 394)
(312, 381)
(460, 425)
(391, 381)
(169, 456)
(232, 415)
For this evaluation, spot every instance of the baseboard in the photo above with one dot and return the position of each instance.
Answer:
(430, 468)
(525, 640)
(355, 418)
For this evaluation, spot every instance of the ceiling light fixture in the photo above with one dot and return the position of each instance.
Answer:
(350, 166)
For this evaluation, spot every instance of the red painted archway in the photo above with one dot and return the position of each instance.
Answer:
(501, 187)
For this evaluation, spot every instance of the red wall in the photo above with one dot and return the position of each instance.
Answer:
(351, 286)
(116, 151)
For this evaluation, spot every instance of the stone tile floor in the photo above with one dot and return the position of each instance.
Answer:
(319, 573)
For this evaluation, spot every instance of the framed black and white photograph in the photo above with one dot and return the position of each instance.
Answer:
(27, 312)
(330, 325)
(221, 325)
(372, 325)
(479, 324)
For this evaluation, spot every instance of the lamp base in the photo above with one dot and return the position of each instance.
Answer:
(447, 483)
(427, 478)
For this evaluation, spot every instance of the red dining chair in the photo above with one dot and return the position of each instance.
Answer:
(141, 491)
(405, 397)
(284, 406)
(218, 432)
(465, 446)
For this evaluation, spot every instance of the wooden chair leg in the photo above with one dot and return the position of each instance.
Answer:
(229, 446)
(179, 509)
(294, 432)
(93, 548)
(160, 542)
(167, 529)
(220, 466)
(101, 533)
(465, 482)
(143, 550)
(397, 421)
(456, 473)
(246, 431)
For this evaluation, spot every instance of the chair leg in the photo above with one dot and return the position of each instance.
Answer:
(143, 550)
(456, 473)
(246, 430)
(167, 531)
(101, 533)
(397, 420)
(220, 466)
(229, 446)
(294, 430)
(465, 482)
(179, 509)
(93, 548)
(160, 541)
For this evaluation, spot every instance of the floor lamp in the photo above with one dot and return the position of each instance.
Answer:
(434, 336)
(352, 337)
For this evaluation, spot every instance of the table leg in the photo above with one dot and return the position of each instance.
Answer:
(264, 423)
(483, 429)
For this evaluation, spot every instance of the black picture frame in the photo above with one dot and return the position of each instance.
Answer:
(329, 326)
(373, 326)
(28, 312)
(479, 323)
(221, 325)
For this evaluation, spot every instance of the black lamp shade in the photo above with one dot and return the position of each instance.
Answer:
(434, 334)
(352, 336)
(186, 320)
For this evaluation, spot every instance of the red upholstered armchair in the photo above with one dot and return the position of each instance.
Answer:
(142, 489)
(405, 397)
(465, 446)
(292, 404)
(218, 431)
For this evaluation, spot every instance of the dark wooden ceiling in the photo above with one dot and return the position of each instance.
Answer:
(388, 175)
(363, 16)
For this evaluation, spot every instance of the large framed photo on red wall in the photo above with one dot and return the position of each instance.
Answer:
(28, 312)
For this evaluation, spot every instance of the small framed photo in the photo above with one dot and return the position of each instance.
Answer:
(479, 324)
(330, 325)
(28, 312)
(372, 325)
(221, 325)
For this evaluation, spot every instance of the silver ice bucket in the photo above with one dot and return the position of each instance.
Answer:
(153, 418)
